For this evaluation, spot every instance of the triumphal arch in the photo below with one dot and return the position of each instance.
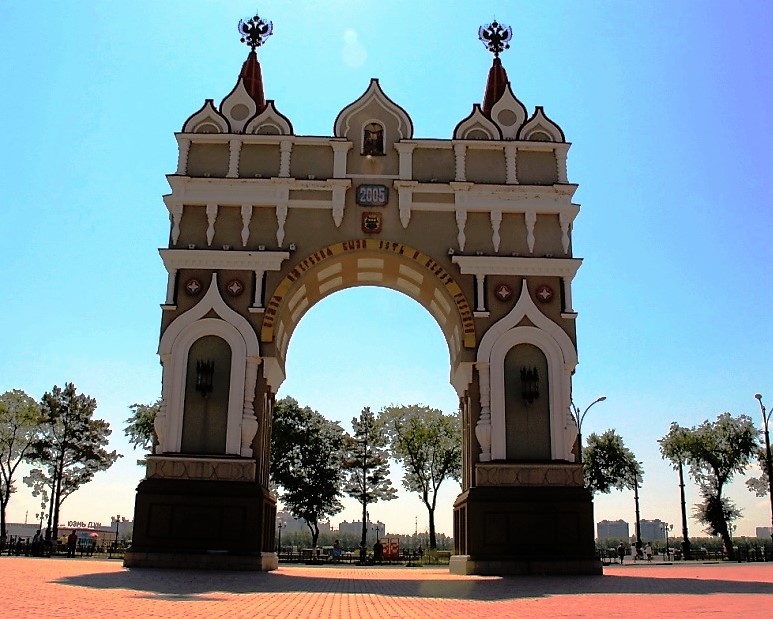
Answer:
(265, 222)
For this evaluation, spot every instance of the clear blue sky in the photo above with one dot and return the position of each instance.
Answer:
(667, 105)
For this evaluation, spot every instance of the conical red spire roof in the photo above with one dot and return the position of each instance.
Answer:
(253, 80)
(495, 86)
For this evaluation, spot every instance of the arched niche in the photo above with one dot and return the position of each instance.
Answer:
(205, 408)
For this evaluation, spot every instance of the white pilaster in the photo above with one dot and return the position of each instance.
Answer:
(281, 217)
(483, 427)
(211, 218)
(249, 422)
(480, 294)
(511, 161)
(496, 220)
(460, 157)
(182, 155)
(285, 149)
(235, 149)
(531, 219)
(177, 215)
(246, 219)
(461, 222)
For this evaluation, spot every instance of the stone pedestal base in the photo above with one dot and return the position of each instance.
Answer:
(207, 524)
(524, 530)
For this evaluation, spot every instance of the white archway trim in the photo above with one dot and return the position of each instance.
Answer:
(525, 308)
(558, 388)
(561, 357)
(175, 411)
(173, 349)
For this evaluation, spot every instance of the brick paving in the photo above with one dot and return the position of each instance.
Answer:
(83, 588)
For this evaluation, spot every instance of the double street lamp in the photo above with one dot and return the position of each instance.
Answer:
(768, 467)
(578, 419)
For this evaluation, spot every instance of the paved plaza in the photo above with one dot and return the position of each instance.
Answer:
(86, 588)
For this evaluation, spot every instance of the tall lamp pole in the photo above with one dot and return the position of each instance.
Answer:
(578, 419)
(117, 522)
(768, 466)
(636, 503)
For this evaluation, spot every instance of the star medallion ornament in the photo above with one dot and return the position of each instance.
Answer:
(193, 287)
(544, 294)
(503, 292)
(234, 287)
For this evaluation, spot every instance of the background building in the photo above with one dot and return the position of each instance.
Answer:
(612, 529)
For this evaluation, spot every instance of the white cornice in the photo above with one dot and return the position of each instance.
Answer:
(239, 191)
(175, 259)
(500, 265)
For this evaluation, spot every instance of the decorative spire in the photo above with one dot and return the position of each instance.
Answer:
(255, 31)
(496, 38)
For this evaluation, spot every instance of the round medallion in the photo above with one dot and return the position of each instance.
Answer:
(503, 292)
(234, 287)
(193, 287)
(544, 294)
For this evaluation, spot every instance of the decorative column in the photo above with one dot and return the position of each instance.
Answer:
(480, 294)
(249, 422)
(339, 158)
(496, 220)
(561, 165)
(211, 218)
(511, 164)
(565, 219)
(483, 427)
(257, 301)
(285, 148)
(460, 156)
(159, 423)
(177, 215)
(235, 147)
(281, 217)
(246, 219)
(170, 279)
(405, 150)
(461, 222)
(531, 219)
(182, 155)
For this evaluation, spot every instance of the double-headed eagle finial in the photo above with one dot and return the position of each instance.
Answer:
(496, 37)
(255, 31)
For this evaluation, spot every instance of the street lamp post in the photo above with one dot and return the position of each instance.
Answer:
(578, 419)
(666, 528)
(279, 539)
(117, 521)
(636, 503)
(768, 466)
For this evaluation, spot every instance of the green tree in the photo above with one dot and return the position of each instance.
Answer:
(306, 454)
(428, 444)
(760, 485)
(70, 449)
(19, 416)
(716, 452)
(674, 446)
(140, 429)
(367, 466)
(608, 464)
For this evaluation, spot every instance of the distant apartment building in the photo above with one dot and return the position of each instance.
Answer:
(612, 529)
(355, 528)
(764, 532)
(653, 530)
(291, 524)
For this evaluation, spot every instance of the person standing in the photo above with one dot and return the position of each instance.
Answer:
(621, 552)
(72, 543)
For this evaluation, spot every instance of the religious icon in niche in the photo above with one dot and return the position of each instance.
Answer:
(373, 139)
